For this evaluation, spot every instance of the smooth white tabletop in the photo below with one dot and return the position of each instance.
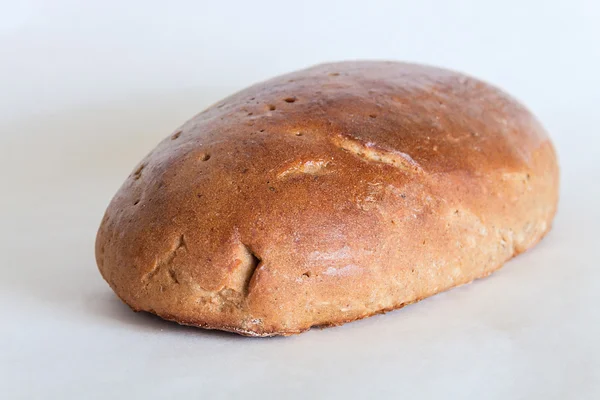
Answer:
(88, 88)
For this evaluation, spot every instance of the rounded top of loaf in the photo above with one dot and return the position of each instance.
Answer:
(295, 185)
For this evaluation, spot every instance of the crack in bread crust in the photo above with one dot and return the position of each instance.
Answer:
(370, 152)
(166, 261)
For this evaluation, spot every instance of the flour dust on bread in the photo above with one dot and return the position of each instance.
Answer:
(328, 195)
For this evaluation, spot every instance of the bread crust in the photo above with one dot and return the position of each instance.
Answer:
(328, 195)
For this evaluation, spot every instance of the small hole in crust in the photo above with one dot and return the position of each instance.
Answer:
(204, 157)
(176, 135)
(307, 274)
(135, 203)
(334, 74)
(372, 116)
(289, 99)
(261, 130)
(271, 107)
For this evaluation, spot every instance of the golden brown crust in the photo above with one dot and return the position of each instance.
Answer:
(328, 195)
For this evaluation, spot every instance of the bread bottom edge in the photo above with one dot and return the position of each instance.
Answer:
(273, 333)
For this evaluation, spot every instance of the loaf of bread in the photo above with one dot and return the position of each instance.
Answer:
(328, 195)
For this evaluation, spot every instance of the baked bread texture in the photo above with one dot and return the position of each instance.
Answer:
(328, 195)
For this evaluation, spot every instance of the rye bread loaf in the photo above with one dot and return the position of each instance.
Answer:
(328, 195)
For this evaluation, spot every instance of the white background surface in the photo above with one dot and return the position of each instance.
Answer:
(88, 88)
